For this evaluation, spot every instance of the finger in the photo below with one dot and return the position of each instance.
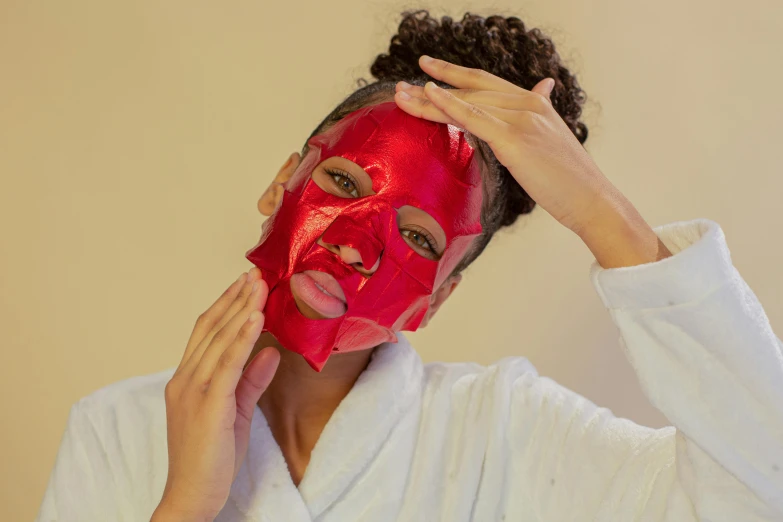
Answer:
(465, 77)
(501, 100)
(544, 88)
(231, 365)
(476, 120)
(254, 381)
(425, 108)
(235, 307)
(422, 108)
(218, 352)
(210, 317)
(487, 123)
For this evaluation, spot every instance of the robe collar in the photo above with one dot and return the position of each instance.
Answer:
(353, 436)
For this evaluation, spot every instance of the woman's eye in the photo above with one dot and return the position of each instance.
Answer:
(344, 182)
(420, 239)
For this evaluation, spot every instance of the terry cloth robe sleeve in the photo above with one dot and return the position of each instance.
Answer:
(112, 461)
(706, 357)
(74, 489)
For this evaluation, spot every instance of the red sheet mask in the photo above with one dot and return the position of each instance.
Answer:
(411, 161)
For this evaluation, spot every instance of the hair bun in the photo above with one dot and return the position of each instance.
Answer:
(501, 46)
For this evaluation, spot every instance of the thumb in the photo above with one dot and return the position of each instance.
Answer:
(254, 382)
(544, 88)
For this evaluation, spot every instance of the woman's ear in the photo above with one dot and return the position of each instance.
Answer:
(440, 296)
(268, 201)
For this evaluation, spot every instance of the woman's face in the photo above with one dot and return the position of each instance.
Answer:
(366, 232)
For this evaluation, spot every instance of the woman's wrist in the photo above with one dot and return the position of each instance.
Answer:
(620, 237)
(166, 512)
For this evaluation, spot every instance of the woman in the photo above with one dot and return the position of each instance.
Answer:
(318, 409)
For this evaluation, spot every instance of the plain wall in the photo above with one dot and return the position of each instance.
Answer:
(136, 137)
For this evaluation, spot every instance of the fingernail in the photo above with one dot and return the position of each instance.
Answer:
(432, 85)
(551, 84)
(404, 95)
(241, 277)
(254, 272)
(405, 85)
(426, 59)
(255, 286)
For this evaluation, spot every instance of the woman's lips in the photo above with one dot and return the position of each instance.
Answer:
(319, 291)
(327, 282)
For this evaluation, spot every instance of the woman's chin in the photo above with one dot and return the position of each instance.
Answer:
(361, 334)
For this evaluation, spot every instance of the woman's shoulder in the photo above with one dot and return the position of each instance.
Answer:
(507, 366)
(470, 378)
(115, 443)
(126, 403)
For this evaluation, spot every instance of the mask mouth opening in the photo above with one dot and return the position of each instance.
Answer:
(318, 295)
(327, 284)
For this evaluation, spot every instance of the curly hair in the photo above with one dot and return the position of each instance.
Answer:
(501, 46)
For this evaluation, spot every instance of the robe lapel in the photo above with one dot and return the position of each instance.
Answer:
(376, 421)
(263, 489)
(371, 434)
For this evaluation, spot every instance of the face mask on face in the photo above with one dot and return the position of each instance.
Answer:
(410, 161)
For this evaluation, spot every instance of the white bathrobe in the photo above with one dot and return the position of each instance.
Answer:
(464, 442)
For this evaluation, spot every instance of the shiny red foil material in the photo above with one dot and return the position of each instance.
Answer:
(411, 161)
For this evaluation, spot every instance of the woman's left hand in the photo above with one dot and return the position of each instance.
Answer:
(532, 141)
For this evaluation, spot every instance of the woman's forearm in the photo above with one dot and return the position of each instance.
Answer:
(621, 237)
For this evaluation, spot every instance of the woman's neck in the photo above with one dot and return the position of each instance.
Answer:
(299, 401)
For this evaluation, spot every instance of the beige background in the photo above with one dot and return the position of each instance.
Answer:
(137, 136)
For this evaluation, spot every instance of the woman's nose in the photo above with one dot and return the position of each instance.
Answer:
(351, 256)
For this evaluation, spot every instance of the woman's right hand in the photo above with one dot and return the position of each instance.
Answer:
(210, 401)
